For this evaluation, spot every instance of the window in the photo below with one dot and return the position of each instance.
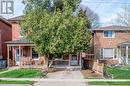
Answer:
(107, 53)
(34, 54)
(109, 34)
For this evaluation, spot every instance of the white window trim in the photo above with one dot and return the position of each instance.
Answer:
(113, 36)
(113, 54)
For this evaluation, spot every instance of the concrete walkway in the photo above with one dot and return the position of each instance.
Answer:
(57, 78)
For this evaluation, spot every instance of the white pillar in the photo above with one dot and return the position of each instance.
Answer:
(20, 54)
(127, 49)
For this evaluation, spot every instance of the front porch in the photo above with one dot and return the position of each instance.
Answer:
(74, 61)
(124, 53)
(67, 62)
(20, 53)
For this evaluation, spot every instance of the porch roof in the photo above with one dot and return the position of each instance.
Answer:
(124, 43)
(22, 41)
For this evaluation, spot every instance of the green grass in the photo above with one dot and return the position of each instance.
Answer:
(109, 83)
(15, 82)
(118, 72)
(23, 73)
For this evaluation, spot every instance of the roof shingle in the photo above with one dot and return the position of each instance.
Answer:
(20, 41)
(113, 27)
(17, 18)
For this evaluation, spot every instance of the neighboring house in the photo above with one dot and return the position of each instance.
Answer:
(112, 44)
(5, 35)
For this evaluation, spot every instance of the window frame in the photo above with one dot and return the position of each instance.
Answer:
(113, 34)
(103, 58)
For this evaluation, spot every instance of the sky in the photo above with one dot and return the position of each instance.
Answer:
(107, 12)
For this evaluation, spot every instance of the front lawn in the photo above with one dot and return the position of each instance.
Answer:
(118, 72)
(23, 73)
(109, 83)
(2, 70)
(15, 82)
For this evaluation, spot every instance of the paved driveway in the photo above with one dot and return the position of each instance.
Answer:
(63, 75)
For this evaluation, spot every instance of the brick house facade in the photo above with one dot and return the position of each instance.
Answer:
(23, 52)
(106, 42)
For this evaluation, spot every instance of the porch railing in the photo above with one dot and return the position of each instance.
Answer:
(60, 62)
(27, 62)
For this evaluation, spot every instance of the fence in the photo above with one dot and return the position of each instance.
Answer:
(98, 67)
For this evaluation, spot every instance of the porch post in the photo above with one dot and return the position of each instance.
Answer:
(80, 60)
(31, 52)
(20, 54)
(69, 59)
(127, 49)
(8, 63)
(13, 55)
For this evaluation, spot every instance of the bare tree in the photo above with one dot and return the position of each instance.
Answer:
(93, 17)
(123, 17)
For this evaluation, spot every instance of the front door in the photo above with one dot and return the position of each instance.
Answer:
(17, 56)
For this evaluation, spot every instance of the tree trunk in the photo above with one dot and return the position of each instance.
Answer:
(46, 60)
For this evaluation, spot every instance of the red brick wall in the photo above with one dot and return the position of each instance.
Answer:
(101, 42)
(113, 62)
(6, 35)
(15, 31)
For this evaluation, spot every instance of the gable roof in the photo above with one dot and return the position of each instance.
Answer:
(17, 18)
(113, 27)
(5, 21)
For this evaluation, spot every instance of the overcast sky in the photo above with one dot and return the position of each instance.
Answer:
(107, 12)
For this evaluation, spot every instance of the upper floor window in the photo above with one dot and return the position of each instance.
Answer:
(109, 34)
